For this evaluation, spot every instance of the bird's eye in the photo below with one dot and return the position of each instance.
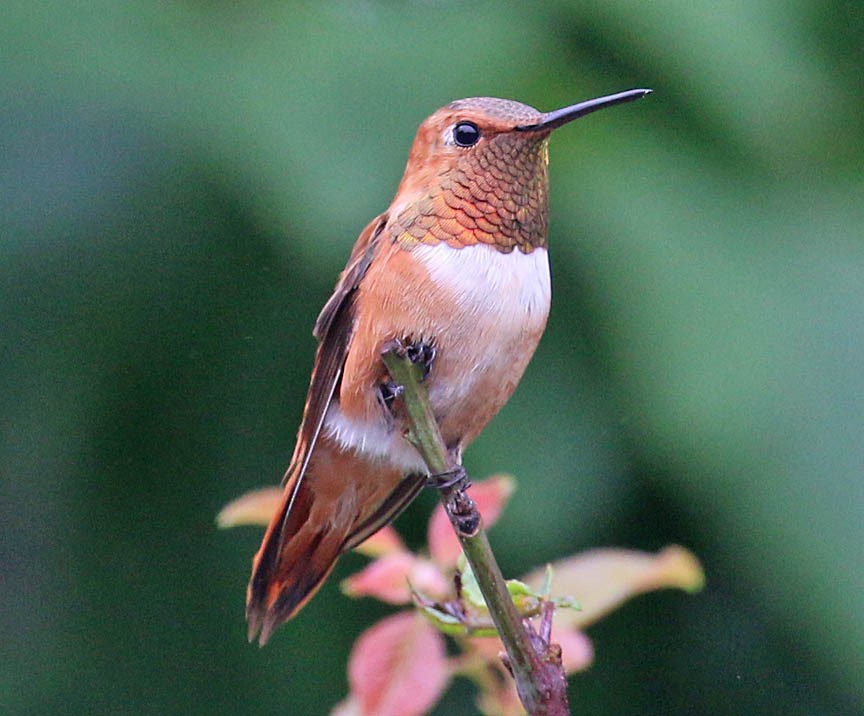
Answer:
(466, 134)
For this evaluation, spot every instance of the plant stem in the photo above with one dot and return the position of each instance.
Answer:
(540, 679)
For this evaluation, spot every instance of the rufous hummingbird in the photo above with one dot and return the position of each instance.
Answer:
(457, 271)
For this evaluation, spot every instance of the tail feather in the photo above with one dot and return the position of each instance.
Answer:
(293, 584)
(340, 500)
(295, 558)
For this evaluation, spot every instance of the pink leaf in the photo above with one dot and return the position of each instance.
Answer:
(386, 579)
(488, 648)
(256, 507)
(392, 577)
(601, 579)
(348, 707)
(398, 667)
(491, 496)
(384, 541)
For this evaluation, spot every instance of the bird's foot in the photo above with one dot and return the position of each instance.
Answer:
(453, 484)
(456, 478)
(420, 353)
(389, 391)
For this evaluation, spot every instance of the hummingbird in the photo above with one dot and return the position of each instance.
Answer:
(456, 271)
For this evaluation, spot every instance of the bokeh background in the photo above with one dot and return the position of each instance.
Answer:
(180, 184)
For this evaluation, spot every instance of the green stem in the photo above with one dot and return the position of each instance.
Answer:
(540, 679)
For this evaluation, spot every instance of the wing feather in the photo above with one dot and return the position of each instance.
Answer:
(333, 329)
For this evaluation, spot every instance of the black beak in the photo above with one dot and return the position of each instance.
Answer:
(557, 117)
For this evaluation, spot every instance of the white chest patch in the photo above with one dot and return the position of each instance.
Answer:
(513, 286)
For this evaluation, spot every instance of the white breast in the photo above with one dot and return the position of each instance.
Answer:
(512, 287)
(504, 302)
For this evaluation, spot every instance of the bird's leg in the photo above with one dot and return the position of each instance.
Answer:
(453, 485)
(460, 507)
(452, 482)
(453, 478)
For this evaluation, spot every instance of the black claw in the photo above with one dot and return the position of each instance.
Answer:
(419, 353)
(422, 355)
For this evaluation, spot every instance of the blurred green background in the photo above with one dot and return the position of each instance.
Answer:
(180, 184)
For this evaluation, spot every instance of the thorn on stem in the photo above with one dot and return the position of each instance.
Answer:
(546, 621)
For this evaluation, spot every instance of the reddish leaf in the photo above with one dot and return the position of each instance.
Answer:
(256, 507)
(386, 579)
(384, 541)
(392, 577)
(491, 496)
(398, 667)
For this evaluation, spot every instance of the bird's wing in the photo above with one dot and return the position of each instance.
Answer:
(333, 329)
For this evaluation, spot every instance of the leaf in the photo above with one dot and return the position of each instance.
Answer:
(526, 599)
(471, 593)
(398, 667)
(442, 620)
(386, 579)
(491, 496)
(348, 707)
(384, 541)
(602, 579)
(392, 577)
(256, 507)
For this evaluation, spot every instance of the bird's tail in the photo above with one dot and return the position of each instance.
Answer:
(340, 500)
